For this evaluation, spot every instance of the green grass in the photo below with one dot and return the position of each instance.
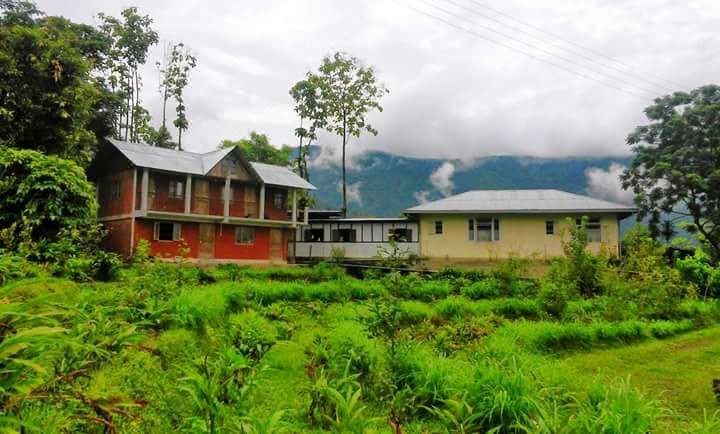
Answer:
(678, 371)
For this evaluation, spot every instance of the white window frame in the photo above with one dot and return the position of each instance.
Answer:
(594, 225)
(178, 192)
(283, 200)
(238, 238)
(177, 232)
(494, 229)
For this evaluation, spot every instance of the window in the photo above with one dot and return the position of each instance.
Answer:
(165, 231)
(115, 189)
(402, 235)
(244, 235)
(279, 200)
(438, 227)
(594, 231)
(484, 229)
(343, 235)
(314, 235)
(549, 227)
(176, 190)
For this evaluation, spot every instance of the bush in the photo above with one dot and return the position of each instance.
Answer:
(428, 290)
(413, 312)
(486, 288)
(177, 346)
(514, 308)
(197, 308)
(553, 298)
(453, 307)
(16, 267)
(252, 334)
(698, 270)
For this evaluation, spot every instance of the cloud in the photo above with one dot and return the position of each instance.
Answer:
(452, 95)
(441, 178)
(422, 197)
(353, 192)
(605, 184)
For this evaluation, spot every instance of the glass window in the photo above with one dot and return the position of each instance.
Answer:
(438, 227)
(244, 235)
(400, 234)
(165, 231)
(594, 231)
(176, 190)
(343, 235)
(314, 235)
(549, 227)
(279, 200)
(484, 229)
(115, 189)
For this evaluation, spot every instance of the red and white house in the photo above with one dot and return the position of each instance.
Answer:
(216, 205)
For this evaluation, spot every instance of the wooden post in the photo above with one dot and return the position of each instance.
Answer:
(261, 212)
(132, 212)
(226, 207)
(306, 215)
(188, 193)
(294, 207)
(145, 186)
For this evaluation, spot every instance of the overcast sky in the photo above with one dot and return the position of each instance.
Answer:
(453, 94)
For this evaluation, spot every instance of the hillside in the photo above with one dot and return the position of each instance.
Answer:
(383, 184)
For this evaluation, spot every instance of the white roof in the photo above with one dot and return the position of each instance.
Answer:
(519, 202)
(153, 157)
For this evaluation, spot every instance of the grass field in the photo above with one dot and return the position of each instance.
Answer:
(299, 349)
(677, 371)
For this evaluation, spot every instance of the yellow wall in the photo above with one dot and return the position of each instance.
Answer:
(520, 235)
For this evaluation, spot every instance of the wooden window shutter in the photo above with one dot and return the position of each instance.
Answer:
(176, 231)
(156, 229)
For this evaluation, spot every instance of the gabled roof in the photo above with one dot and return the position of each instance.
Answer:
(152, 157)
(519, 202)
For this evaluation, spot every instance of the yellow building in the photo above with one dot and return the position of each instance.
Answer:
(493, 224)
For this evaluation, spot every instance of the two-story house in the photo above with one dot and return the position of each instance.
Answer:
(215, 205)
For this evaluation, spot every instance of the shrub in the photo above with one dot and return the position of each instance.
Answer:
(486, 288)
(617, 408)
(105, 266)
(351, 352)
(553, 298)
(514, 308)
(177, 346)
(426, 290)
(698, 270)
(579, 269)
(413, 312)
(16, 267)
(430, 379)
(252, 334)
(453, 307)
(197, 308)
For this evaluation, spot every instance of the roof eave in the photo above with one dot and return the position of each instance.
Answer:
(628, 211)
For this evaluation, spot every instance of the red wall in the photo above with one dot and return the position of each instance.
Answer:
(271, 212)
(118, 237)
(121, 205)
(225, 247)
(162, 200)
(189, 234)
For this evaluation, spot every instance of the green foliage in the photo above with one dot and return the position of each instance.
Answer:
(44, 200)
(51, 100)
(257, 148)
(698, 270)
(15, 267)
(252, 334)
(579, 269)
(486, 288)
(675, 164)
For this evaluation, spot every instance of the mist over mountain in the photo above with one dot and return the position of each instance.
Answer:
(384, 184)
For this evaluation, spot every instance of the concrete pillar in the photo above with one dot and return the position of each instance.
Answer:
(306, 215)
(188, 193)
(226, 198)
(145, 186)
(294, 207)
(261, 212)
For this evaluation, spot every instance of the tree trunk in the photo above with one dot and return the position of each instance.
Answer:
(179, 139)
(344, 181)
(165, 98)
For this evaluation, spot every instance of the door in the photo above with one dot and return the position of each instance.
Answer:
(201, 199)
(276, 244)
(207, 240)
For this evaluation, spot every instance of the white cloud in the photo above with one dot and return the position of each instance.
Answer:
(441, 178)
(353, 192)
(422, 196)
(452, 95)
(605, 184)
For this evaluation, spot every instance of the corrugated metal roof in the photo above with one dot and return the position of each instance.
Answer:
(278, 175)
(519, 201)
(152, 157)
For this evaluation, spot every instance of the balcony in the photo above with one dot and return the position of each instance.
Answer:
(207, 202)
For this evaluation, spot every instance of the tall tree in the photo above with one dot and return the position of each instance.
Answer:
(677, 162)
(257, 148)
(181, 62)
(131, 36)
(349, 92)
(308, 105)
(50, 97)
